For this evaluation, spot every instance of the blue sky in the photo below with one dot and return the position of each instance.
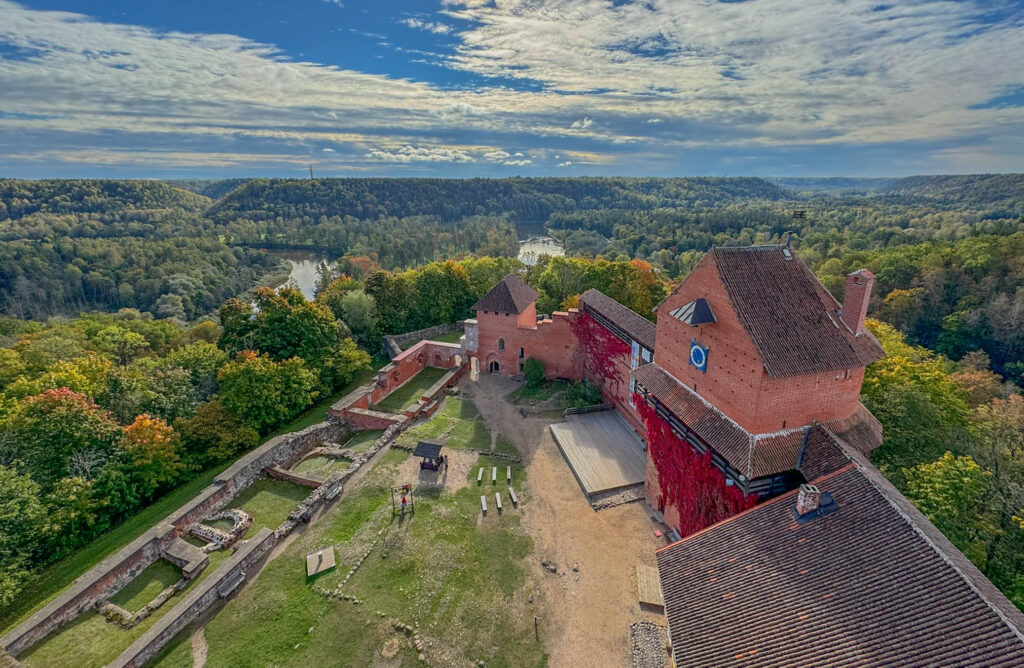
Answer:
(459, 88)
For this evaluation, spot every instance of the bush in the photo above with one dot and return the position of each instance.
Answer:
(582, 394)
(534, 371)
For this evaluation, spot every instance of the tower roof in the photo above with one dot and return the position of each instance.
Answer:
(793, 321)
(510, 295)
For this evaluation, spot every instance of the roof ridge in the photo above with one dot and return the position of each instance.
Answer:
(870, 473)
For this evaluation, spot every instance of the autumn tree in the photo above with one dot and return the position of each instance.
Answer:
(264, 393)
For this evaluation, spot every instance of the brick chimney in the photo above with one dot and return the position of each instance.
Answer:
(807, 499)
(855, 302)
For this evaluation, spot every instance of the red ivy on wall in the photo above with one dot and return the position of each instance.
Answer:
(600, 347)
(688, 480)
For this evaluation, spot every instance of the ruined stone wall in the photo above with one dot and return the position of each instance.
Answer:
(197, 601)
(403, 341)
(102, 581)
(110, 575)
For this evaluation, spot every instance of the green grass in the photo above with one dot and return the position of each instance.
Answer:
(411, 392)
(91, 640)
(144, 588)
(450, 337)
(54, 579)
(269, 501)
(320, 465)
(445, 568)
(51, 581)
(177, 653)
(457, 424)
(362, 440)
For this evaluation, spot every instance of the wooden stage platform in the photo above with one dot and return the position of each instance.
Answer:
(602, 450)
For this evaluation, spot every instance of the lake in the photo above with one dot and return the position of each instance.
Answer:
(303, 274)
(533, 247)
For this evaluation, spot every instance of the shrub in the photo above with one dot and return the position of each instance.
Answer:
(534, 371)
(582, 394)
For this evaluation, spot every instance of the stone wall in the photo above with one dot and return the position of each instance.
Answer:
(110, 575)
(394, 344)
(102, 581)
(196, 601)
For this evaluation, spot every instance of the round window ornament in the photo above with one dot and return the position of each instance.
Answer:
(699, 356)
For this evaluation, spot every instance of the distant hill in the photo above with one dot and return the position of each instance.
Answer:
(967, 189)
(212, 189)
(21, 198)
(523, 200)
(839, 185)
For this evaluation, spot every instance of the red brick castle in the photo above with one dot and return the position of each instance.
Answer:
(752, 363)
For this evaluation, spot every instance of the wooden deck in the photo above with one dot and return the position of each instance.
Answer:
(602, 450)
(648, 586)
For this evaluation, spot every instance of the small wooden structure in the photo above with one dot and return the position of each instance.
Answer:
(319, 562)
(430, 453)
(648, 587)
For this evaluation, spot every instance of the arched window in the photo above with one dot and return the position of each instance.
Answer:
(501, 344)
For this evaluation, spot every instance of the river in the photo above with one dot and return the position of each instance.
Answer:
(304, 265)
(533, 247)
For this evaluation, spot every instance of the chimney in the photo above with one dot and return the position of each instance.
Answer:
(807, 499)
(855, 302)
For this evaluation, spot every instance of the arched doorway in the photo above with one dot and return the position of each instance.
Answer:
(493, 367)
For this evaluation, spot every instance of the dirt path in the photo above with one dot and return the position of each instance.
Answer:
(586, 612)
(199, 648)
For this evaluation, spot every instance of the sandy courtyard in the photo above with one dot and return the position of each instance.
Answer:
(586, 612)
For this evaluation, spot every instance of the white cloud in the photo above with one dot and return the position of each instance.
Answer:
(410, 153)
(582, 124)
(567, 163)
(496, 155)
(653, 121)
(327, 150)
(518, 162)
(429, 26)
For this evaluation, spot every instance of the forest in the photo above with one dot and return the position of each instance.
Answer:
(136, 343)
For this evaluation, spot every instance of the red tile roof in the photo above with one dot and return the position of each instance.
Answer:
(793, 321)
(872, 584)
(757, 455)
(510, 295)
(639, 328)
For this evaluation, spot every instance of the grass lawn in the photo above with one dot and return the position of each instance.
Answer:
(144, 588)
(460, 576)
(450, 337)
(54, 579)
(91, 640)
(362, 440)
(457, 424)
(269, 501)
(411, 392)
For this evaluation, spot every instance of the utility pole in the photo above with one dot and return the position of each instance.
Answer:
(311, 172)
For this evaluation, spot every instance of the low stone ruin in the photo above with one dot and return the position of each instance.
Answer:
(219, 539)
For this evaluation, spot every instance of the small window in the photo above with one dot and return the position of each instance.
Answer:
(501, 344)
(522, 367)
(522, 353)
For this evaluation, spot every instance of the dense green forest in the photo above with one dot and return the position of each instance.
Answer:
(103, 413)
(135, 349)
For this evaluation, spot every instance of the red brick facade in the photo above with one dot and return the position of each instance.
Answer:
(735, 380)
(508, 340)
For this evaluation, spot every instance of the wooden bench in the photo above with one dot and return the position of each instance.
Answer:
(508, 474)
(497, 500)
(480, 475)
(483, 502)
(512, 495)
(494, 474)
